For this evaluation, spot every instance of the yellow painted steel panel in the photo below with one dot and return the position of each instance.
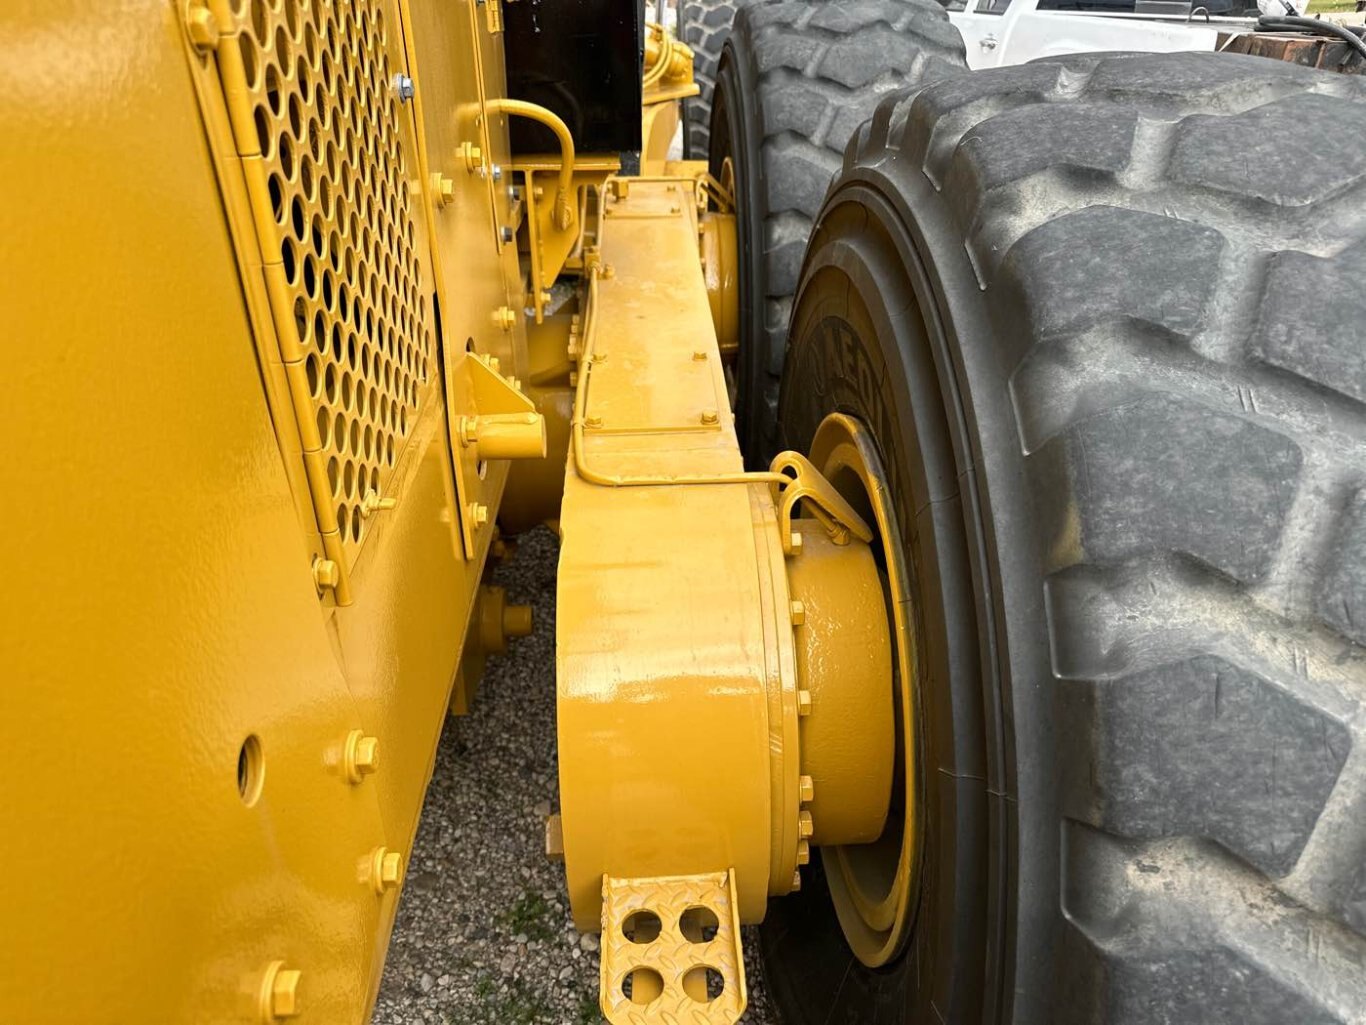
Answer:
(665, 661)
(160, 622)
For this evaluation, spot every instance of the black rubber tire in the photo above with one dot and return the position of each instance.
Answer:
(795, 81)
(704, 26)
(1103, 316)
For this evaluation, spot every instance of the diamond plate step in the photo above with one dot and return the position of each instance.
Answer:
(677, 940)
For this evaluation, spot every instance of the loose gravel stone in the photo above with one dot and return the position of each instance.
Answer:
(483, 935)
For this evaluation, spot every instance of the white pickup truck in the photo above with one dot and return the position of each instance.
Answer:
(1003, 32)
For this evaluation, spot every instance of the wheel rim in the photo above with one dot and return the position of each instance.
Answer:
(873, 886)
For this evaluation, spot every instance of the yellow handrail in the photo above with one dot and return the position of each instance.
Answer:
(564, 208)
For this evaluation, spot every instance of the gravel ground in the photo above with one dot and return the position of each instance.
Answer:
(483, 933)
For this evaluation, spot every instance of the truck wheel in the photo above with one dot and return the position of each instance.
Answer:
(795, 81)
(704, 26)
(1102, 318)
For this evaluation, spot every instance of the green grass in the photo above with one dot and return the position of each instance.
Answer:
(1332, 6)
(588, 1012)
(530, 915)
(518, 1006)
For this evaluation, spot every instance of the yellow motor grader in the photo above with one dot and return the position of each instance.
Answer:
(959, 478)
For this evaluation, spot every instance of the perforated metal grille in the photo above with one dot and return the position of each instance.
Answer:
(318, 103)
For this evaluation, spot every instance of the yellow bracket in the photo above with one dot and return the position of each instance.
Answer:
(823, 502)
(504, 424)
(675, 942)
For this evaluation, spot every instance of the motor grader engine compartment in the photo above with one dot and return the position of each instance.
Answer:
(985, 628)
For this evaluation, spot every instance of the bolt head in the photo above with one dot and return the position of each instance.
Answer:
(279, 994)
(284, 993)
(796, 542)
(367, 755)
(803, 702)
(593, 421)
(479, 515)
(386, 869)
(806, 789)
(403, 86)
(326, 574)
(803, 852)
(700, 355)
(805, 824)
(497, 172)
(796, 880)
(507, 233)
(798, 613)
(710, 416)
(203, 27)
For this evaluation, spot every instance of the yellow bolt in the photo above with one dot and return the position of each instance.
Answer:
(554, 838)
(796, 542)
(700, 355)
(473, 156)
(279, 997)
(805, 824)
(373, 503)
(517, 620)
(710, 416)
(806, 789)
(505, 318)
(593, 421)
(803, 852)
(798, 613)
(803, 702)
(326, 574)
(202, 27)
(608, 271)
(479, 515)
(360, 756)
(443, 189)
(386, 868)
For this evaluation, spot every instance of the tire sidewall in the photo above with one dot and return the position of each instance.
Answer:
(978, 855)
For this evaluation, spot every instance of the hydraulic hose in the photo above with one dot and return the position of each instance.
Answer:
(1277, 23)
